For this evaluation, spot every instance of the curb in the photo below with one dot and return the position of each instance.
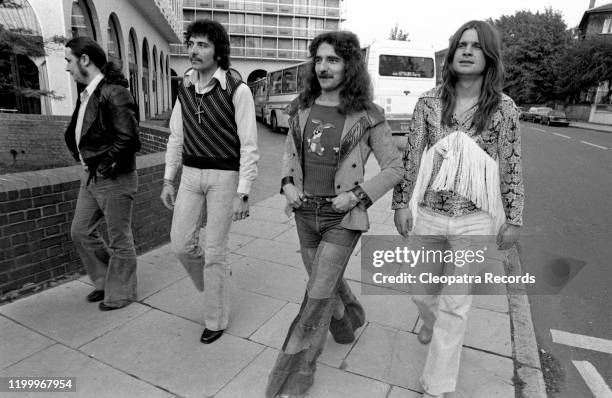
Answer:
(592, 128)
(528, 378)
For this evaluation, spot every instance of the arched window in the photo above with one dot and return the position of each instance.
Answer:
(133, 66)
(114, 43)
(82, 20)
(154, 86)
(162, 79)
(145, 77)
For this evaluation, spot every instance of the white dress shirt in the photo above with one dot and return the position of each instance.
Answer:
(85, 95)
(244, 117)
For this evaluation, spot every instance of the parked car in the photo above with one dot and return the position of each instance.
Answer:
(554, 117)
(522, 112)
(535, 113)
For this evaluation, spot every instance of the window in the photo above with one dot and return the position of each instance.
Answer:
(607, 26)
(237, 45)
(331, 24)
(290, 80)
(315, 27)
(276, 79)
(221, 17)
(285, 44)
(253, 23)
(114, 43)
(82, 22)
(203, 14)
(302, 71)
(405, 66)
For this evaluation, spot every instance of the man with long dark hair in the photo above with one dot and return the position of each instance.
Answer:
(214, 138)
(333, 128)
(103, 136)
(463, 182)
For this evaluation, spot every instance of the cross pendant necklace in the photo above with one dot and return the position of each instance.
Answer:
(200, 110)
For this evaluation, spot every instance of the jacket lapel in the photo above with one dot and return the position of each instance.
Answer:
(355, 127)
(91, 112)
(298, 124)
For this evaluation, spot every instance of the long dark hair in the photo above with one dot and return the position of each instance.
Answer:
(215, 32)
(493, 75)
(85, 45)
(356, 93)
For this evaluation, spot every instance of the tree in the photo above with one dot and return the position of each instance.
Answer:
(586, 64)
(532, 46)
(17, 45)
(398, 34)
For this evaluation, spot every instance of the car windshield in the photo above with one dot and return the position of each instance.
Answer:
(543, 110)
(557, 113)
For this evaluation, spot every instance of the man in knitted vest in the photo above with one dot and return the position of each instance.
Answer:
(214, 137)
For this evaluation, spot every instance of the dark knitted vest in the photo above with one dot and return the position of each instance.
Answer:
(212, 142)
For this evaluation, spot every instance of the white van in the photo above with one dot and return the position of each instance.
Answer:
(400, 71)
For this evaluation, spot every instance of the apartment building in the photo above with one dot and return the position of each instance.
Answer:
(264, 34)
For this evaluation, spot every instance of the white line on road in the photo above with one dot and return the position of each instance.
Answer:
(581, 341)
(564, 136)
(593, 379)
(535, 128)
(595, 145)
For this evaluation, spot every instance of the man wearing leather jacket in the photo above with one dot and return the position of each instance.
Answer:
(103, 137)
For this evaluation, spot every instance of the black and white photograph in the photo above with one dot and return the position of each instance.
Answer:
(306, 198)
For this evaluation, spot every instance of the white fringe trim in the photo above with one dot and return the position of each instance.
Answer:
(467, 170)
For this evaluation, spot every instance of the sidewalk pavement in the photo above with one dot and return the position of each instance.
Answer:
(151, 348)
(606, 128)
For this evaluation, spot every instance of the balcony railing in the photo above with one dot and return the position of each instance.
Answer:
(269, 30)
(252, 52)
(262, 7)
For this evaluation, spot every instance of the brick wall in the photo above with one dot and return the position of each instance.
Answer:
(38, 140)
(36, 210)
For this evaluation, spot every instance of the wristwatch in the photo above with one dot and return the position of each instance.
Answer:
(244, 197)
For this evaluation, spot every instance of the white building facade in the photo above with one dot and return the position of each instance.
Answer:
(264, 34)
(135, 34)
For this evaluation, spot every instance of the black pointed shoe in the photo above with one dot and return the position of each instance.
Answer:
(104, 307)
(342, 329)
(210, 336)
(96, 295)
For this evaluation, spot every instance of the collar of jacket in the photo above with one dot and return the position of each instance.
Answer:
(355, 126)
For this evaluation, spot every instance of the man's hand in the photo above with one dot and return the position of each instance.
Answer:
(293, 195)
(344, 202)
(168, 196)
(403, 221)
(241, 209)
(508, 235)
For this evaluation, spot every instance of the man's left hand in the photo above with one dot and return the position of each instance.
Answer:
(344, 202)
(508, 235)
(241, 209)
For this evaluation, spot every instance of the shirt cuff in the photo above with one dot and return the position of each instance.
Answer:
(284, 181)
(363, 197)
(244, 186)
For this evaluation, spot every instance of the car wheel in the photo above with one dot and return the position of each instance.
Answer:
(274, 122)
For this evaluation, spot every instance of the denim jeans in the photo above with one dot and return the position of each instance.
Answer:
(111, 267)
(325, 248)
(446, 311)
(205, 197)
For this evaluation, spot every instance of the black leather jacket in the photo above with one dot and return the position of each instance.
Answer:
(109, 137)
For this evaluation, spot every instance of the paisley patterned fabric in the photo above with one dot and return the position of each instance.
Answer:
(501, 140)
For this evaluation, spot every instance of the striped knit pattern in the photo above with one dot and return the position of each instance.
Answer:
(212, 143)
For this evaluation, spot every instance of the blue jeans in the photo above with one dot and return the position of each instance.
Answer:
(326, 248)
(111, 268)
(205, 197)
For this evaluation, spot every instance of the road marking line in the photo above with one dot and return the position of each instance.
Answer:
(595, 145)
(535, 128)
(564, 136)
(581, 341)
(593, 379)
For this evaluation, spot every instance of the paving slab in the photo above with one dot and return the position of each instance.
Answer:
(19, 342)
(171, 356)
(93, 378)
(487, 330)
(273, 332)
(63, 314)
(234, 241)
(379, 217)
(396, 357)
(270, 279)
(248, 310)
(329, 382)
(157, 273)
(264, 213)
(289, 236)
(278, 252)
(495, 302)
(259, 228)
(398, 392)
(276, 202)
